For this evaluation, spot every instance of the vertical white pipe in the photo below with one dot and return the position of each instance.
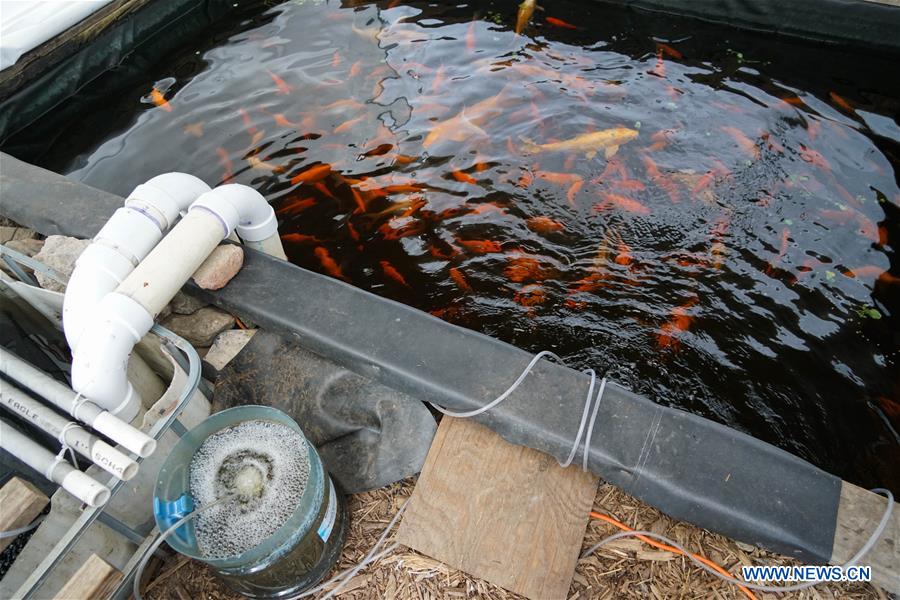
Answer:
(58, 471)
(68, 432)
(101, 420)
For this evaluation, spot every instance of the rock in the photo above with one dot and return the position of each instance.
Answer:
(202, 327)
(227, 346)
(28, 247)
(183, 304)
(60, 253)
(8, 234)
(218, 269)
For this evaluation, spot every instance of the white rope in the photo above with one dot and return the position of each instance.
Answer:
(590, 401)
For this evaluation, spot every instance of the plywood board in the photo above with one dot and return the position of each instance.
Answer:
(505, 513)
(858, 515)
(20, 504)
(95, 579)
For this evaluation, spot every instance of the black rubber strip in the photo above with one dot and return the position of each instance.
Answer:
(685, 465)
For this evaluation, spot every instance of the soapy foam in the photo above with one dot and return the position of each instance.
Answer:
(266, 465)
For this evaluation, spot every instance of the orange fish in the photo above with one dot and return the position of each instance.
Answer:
(470, 36)
(842, 103)
(283, 88)
(624, 256)
(312, 174)
(632, 185)
(225, 161)
(460, 280)
(525, 268)
(785, 240)
(560, 23)
(160, 100)
(746, 144)
(814, 158)
(627, 204)
(660, 69)
(379, 150)
(283, 121)
(347, 125)
(358, 199)
(464, 177)
(194, 129)
(679, 323)
(353, 232)
(262, 165)
(355, 69)
(480, 246)
(296, 206)
(438, 80)
(467, 122)
(248, 122)
(336, 59)
(300, 238)
(530, 296)
(544, 225)
(668, 50)
(328, 263)
(324, 189)
(393, 273)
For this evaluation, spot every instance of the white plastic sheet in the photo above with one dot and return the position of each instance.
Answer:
(26, 24)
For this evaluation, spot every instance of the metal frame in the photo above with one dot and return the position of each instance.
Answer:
(189, 359)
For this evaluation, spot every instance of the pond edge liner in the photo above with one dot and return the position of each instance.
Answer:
(858, 24)
(687, 466)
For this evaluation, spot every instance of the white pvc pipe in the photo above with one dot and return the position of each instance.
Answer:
(129, 235)
(69, 433)
(99, 419)
(56, 470)
(123, 317)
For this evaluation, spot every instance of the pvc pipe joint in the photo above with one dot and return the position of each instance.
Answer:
(240, 208)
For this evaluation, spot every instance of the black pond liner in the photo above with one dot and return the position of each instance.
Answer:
(687, 466)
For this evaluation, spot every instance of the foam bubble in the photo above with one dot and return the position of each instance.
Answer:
(266, 464)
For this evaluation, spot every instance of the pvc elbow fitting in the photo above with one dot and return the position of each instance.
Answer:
(240, 208)
(164, 197)
(100, 366)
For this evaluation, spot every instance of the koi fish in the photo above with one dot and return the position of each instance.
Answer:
(668, 51)
(544, 225)
(438, 80)
(530, 296)
(160, 100)
(814, 158)
(262, 165)
(283, 88)
(295, 207)
(560, 23)
(470, 37)
(526, 268)
(225, 161)
(679, 323)
(379, 150)
(194, 129)
(328, 263)
(627, 204)
(746, 144)
(347, 125)
(336, 59)
(312, 174)
(624, 257)
(842, 103)
(283, 121)
(393, 273)
(463, 177)
(607, 140)
(355, 69)
(467, 123)
(300, 238)
(480, 246)
(523, 17)
(460, 280)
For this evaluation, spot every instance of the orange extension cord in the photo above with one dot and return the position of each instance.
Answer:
(750, 595)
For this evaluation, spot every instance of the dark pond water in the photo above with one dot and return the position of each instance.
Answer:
(726, 241)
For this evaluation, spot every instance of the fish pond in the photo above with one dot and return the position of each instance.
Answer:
(706, 216)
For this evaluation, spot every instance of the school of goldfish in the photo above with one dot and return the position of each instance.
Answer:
(473, 164)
